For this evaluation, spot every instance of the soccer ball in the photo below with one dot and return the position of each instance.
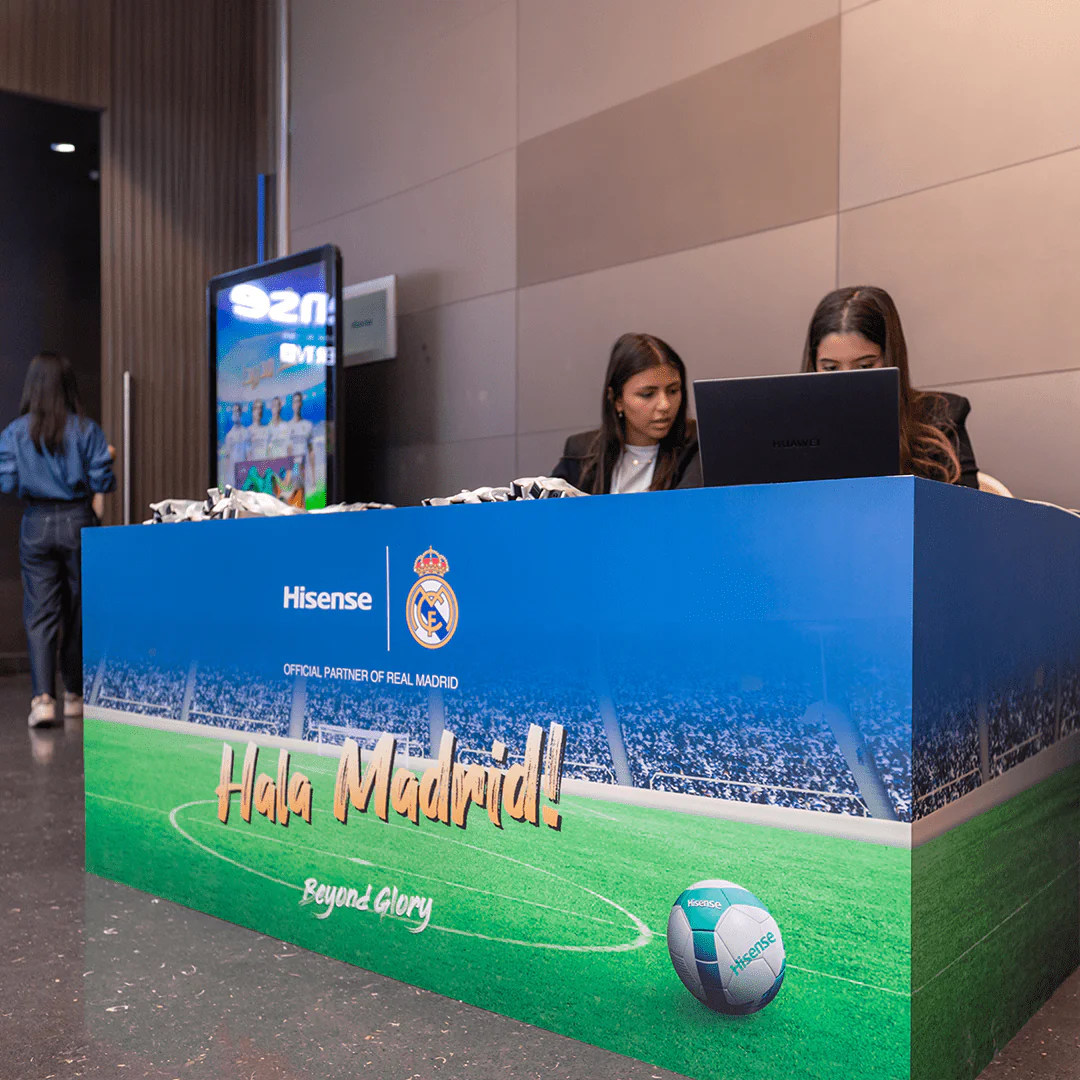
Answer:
(726, 947)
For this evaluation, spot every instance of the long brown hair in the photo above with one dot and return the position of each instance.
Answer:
(926, 435)
(630, 355)
(49, 397)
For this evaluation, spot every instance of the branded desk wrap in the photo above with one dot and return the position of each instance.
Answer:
(859, 700)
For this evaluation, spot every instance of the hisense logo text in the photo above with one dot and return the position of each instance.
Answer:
(286, 307)
(757, 949)
(705, 903)
(299, 597)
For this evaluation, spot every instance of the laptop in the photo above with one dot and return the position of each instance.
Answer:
(781, 428)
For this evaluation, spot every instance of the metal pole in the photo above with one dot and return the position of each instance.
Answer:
(127, 448)
(283, 130)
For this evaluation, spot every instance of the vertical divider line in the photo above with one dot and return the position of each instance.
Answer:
(284, 104)
(517, 274)
(839, 132)
(387, 597)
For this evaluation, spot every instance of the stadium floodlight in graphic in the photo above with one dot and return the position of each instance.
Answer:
(757, 786)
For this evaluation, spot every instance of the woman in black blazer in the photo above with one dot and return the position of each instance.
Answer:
(856, 328)
(645, 441)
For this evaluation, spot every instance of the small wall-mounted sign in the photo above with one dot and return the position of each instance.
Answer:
(370, 321)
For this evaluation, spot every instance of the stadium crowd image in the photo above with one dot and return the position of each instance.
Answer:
(806, 741)
(539, 539)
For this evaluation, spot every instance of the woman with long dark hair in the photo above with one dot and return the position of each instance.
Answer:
(645, 441)
(57, 460)
(859, 327)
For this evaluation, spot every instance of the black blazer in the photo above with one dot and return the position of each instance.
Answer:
(576, 451)
(952, 419)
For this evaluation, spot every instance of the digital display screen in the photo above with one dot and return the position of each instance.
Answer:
(274, 356)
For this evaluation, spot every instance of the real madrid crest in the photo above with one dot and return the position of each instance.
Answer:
(432, 608)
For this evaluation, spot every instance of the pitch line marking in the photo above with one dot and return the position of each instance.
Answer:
(416, 874)
(645, 935)
(596, 813)
(217, 854)
(854, 982)
(1008, 918)
(126, 802)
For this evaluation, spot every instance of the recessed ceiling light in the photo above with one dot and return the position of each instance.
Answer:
(63, 147)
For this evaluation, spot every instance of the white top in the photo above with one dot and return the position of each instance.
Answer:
(299, 437)
(280, 442)
(236, 439)
(634, 470)
(259, 441)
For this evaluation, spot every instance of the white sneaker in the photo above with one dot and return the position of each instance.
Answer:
(72, 706)
(42, 711)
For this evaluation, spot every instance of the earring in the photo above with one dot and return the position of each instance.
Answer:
(620, 416)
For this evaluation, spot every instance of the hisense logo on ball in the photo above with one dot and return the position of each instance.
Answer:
(299, 597)
(759, 947)
(283, 306)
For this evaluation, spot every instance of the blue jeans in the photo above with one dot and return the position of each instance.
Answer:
(50, 552)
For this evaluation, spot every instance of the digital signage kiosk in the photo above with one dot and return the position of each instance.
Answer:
(274, 346)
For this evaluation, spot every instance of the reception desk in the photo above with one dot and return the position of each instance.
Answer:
(484, 749)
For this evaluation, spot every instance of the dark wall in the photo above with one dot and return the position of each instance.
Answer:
(180, 161)
(184, 87)
(49, 280)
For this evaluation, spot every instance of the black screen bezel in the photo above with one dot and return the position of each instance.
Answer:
(330, 257)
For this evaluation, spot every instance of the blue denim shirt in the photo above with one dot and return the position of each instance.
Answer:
(80, 469)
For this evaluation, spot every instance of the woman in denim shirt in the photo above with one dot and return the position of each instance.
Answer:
(57, 461)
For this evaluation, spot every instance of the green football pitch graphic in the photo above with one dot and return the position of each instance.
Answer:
(560, 929)
(995, 926)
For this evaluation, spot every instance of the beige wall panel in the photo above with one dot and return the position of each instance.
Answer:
(578, 57)
(449, 240)
(364, 130)
(369, 32)
(539, 452)
(745, 146)
(418, 472)
(453, 378)
(935, 90)
(1025, 432)
(983, 271)
(737, 308)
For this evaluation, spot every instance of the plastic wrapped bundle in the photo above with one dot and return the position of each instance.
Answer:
(171, 510)
(533, 487)
(243, 504)
(544, 487)
(223, 503)
(350, 508)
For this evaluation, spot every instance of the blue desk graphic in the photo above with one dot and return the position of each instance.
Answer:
(485, 749)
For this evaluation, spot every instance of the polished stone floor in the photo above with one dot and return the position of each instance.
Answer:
(99, 980)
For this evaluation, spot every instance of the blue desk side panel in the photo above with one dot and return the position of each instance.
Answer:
(733, 671)
(996, 713)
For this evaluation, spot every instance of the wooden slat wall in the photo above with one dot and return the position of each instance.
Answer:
(56, 49)
(178, 205)
(185, 87)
